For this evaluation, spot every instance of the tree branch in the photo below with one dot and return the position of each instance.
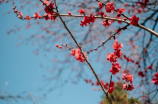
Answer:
(120, 20)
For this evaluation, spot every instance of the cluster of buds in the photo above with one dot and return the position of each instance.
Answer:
(50, 14)
(78, 55)
(18, 13)
(60, 47)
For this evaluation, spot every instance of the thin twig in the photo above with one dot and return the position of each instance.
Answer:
(110, 82)
(34, 100)
(113, 35)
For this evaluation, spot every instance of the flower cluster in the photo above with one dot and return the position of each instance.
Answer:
(107, 23)
(128, 87)
(78, 55)
(115, 68)
(87, 20)
(120, 11)
(118, 53)
(49, 12)
(117, 45)
(109, 7)
(112, 57)
(49, 16)
(134, 20)
(129, 80)
(155, 79)
(128, 77)
(49, 9)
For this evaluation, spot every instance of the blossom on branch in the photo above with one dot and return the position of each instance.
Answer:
(115, 68)
(69, 13)
(78, 55)
(107, 23)
(109, 7)
(134, 20)
(118, 53)
(36, 15)
(20, 15)
(82, 11)
(27, 17)
(120, 11)
(128, 77)
(117, 45)
(87, 20)
(128, 87)
(49, 9)
(111, 57)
